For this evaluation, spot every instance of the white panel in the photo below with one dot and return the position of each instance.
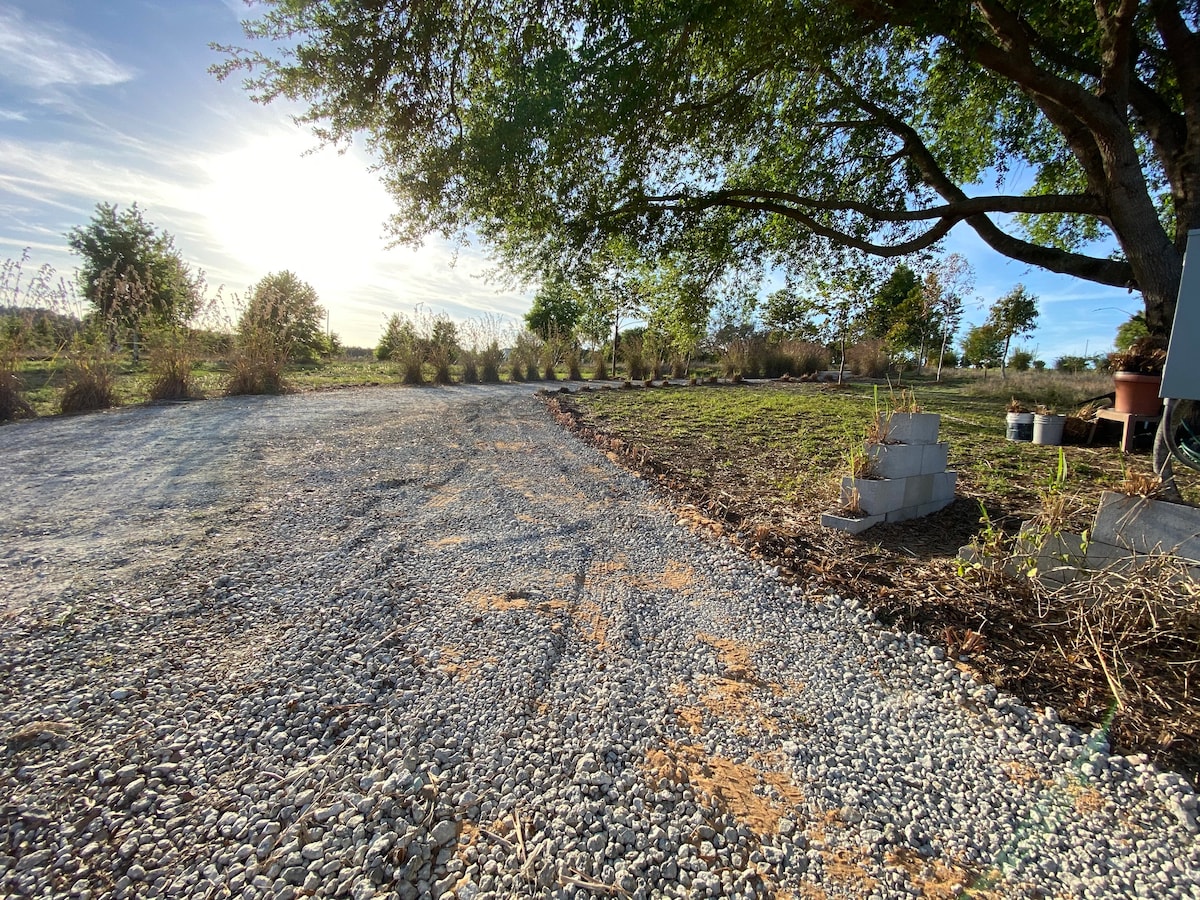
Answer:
(1181, 377)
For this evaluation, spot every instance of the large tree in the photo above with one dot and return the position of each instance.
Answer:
(286, 310)
(131, 270)
(863, 123)
(1014, 313)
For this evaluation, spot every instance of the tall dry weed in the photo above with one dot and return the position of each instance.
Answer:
(90, 376)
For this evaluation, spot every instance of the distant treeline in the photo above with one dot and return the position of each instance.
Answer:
(35, 329)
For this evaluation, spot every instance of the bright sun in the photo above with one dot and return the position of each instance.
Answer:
(320, 215)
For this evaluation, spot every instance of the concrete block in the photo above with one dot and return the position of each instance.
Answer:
(1058, 558)
(928, 509)
(918, 490)
(943, 486)
(849, 523)
(1122, 564)
(934, 458)
(903, 514)
(1148, 526)
(876, 496)
(1103, 555)
(896, 460)
(914, 428)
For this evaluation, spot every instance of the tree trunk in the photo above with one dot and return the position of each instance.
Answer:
(942, 355)
(616, 337)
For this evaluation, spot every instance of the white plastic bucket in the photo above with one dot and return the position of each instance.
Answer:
(1020, 426)
(1048, 430)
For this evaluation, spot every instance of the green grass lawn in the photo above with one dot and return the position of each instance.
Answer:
(792, 441)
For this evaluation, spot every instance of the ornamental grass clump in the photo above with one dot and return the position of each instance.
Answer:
(600, 367)
(90, 377)
(468, 360)
(172, 355)
(489, 363)
(12, 404)
(574, 371)
(258, 361)
(868, 359)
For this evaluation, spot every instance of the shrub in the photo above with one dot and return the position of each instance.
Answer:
(1020, 360)
(868, 359)
(600, 372)
(754, 361)
(1072, 364)
(633, 355)
(733, 358)
(439, 359)
(397, 333)
(259, 356)
(516, 366)
(574, 372)
(791, 358)
(12, 404)
(679, 368)
(288, 308)
(412, 364)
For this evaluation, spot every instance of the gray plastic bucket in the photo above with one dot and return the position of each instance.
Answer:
(1048, 430)
(1020, 427)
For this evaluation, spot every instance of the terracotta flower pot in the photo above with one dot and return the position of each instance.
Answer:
(1137, 394)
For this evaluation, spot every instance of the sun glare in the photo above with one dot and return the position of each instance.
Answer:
(273, 207)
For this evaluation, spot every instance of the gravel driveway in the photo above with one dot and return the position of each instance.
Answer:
(423, 643)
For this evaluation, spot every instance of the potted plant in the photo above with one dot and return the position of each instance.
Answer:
(1019, 421)
(1137, 375)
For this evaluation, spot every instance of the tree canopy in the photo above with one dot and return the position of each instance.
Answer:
(877, 125)
(1013, 314)
(131, 270)
(288, 309)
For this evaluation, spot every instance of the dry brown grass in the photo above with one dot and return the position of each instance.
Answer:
(90, 379)
(172, 355)
(12, 404)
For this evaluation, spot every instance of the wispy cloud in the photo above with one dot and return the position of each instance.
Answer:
(41, 55)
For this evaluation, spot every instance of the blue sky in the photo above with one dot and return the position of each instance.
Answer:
(110, 100)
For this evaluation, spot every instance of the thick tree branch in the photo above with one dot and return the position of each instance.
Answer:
(698, 203)
(1081, 204)
(1103, 271)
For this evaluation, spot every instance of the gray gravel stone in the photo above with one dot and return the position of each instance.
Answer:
(313, 639)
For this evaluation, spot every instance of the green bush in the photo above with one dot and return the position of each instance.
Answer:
(1020, 360)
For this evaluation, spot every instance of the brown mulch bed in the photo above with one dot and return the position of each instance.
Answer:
(995, 626)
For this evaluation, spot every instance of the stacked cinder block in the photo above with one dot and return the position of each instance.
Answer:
(909, 477)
